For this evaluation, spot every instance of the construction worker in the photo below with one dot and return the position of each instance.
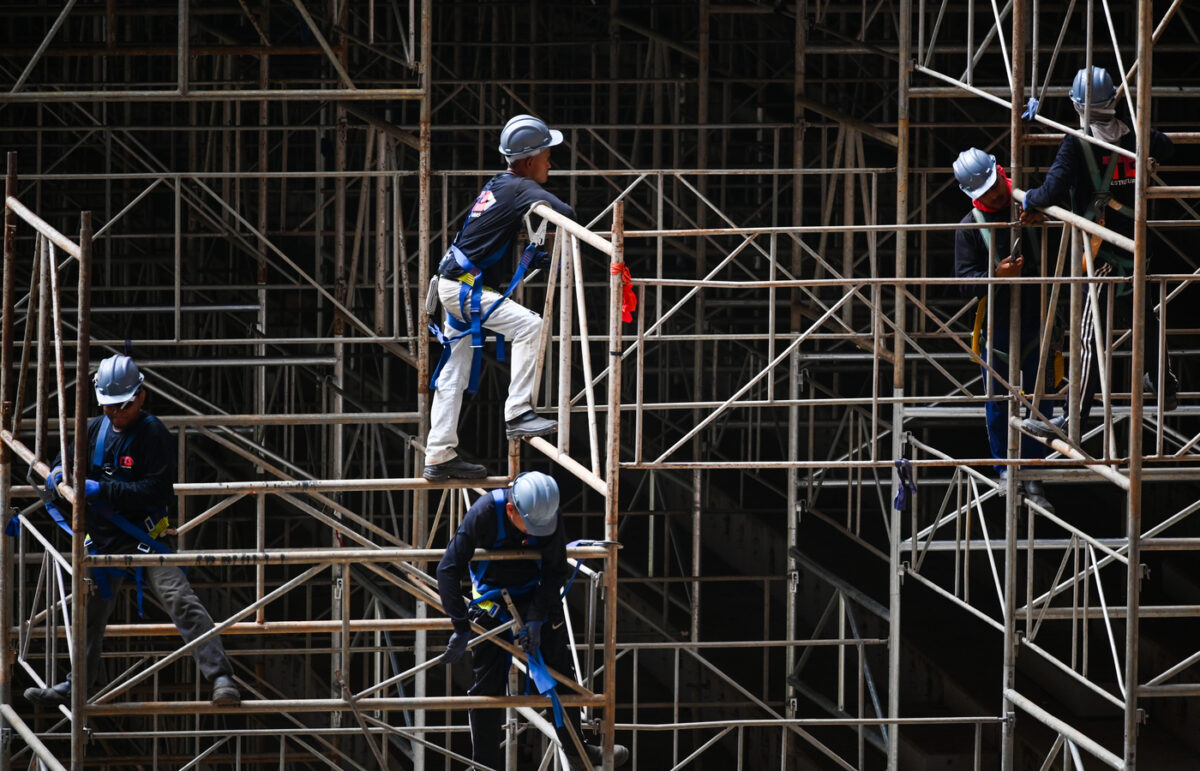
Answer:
(129, 488)
(525, 516)
(1098, 184)
(467, 282)
(983, 253)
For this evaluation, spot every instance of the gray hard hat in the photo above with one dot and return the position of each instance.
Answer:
(118, 380)
(1103, 90)
(975, 171)
(525, 136)
(536, 497)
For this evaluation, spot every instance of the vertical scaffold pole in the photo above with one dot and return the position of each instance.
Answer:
(6, 422)
(421, 498)
(894, 576)
(1137, 366)
(612, 499)
(79, 674)
(1015, 343)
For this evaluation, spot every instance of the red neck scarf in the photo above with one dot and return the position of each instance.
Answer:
(1007, 199)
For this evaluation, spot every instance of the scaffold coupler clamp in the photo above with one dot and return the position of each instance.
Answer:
(518, 624)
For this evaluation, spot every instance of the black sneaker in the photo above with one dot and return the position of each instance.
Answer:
(225, 692)
(1043, 429)
(1035, 492)
(1170, 394)
(455, 468)
(52, 696)
(595, 758)
(529, 424)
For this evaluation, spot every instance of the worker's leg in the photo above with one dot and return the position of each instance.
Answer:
(995, 412)
(171, 587)
(442, 442)
(1031, 348)
(1123, 317)
(557, 655)
(1091, 349)
(521, 328)
(99, 610)
(490, 664)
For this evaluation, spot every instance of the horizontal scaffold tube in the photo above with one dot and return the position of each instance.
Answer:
(1083, 223)
(270, 627)
(310, 556)
(339, 705)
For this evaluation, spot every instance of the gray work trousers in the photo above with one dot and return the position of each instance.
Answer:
(171, 587)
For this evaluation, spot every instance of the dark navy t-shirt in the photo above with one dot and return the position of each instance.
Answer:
(495, 220)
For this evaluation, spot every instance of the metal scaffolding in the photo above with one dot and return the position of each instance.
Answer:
(265, 187)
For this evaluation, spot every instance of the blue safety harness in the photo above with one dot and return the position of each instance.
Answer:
(485, 596)
(489, 599)
(146, 537)
(470, 306)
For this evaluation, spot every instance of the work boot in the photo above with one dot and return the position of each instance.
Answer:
(1043, 429)
(529, 424)
(595, 758)
(1170, 393)
(1035, 492)
(225, 692)
(455, 468)
(52, 696)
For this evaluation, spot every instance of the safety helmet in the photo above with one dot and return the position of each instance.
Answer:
(975, 171)
(1103, 90)
(525, 136)
(536, 497)
(118, 380)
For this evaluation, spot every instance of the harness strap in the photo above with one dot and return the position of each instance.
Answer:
(99, 575)
(470, 302)
(101, 439)
(539, 675)
(485, 596)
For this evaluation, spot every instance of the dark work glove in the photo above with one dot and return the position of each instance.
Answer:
(456, 647)
(53, 479)
(530, 638)
(91, 489)
(537, 257)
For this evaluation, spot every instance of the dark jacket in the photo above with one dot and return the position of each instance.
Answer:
(479, 530)
(495, 220)
(971, 259)
(1069, 180)
(136, 480)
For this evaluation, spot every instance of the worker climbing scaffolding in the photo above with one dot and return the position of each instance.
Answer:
(467, 282)
(1099, 184)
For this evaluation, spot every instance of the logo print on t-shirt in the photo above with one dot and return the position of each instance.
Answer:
(125, 461)
(1124, 170)
(482, 203)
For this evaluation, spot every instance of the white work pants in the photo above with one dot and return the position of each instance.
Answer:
(521, 328)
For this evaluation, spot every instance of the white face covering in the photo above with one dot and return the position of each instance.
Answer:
(1104, 121)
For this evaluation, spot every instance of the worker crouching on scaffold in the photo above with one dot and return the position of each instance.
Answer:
(527, 592)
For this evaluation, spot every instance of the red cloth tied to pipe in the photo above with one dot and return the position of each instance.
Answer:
(628, 297)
